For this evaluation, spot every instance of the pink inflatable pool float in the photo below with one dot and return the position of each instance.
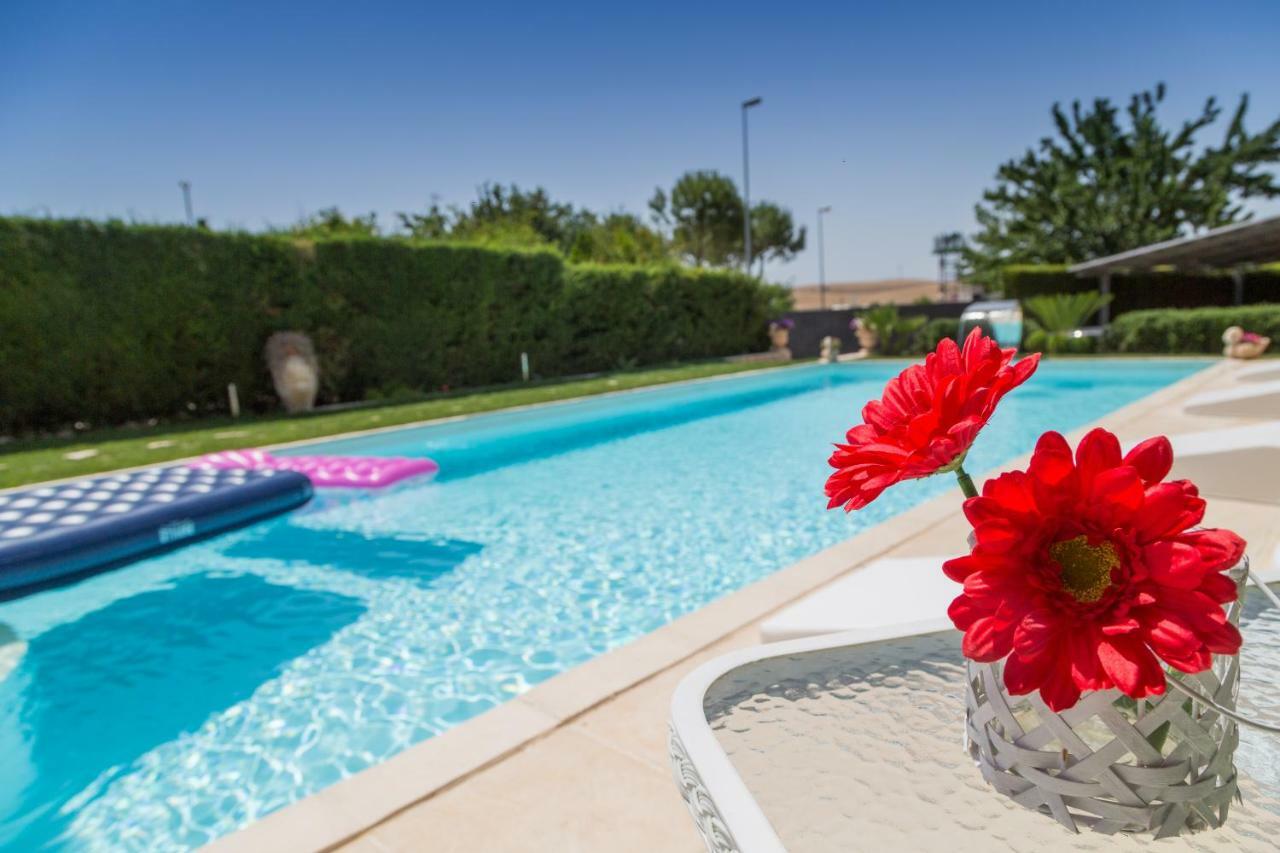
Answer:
(357, 472)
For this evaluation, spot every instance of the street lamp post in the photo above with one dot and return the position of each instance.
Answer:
(186, 201)
(746, 186)
(822, 260)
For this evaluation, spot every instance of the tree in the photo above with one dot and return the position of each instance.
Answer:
(619, 238)
(510, 216)
(503, 216)
(1103, 186)
(330, 222)
(704, 212)
(773, 234)
(435, 224)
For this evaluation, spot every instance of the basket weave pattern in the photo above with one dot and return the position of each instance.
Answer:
(1106, 766)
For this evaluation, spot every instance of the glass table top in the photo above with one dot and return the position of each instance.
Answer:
(861, 748)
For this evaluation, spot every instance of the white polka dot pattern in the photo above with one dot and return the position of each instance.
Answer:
(70, 505)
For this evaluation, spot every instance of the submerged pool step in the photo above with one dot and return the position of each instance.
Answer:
(52, 533)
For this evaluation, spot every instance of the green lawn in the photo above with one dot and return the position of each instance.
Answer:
(36, 460)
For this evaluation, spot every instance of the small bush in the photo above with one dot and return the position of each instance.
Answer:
(895, 334)
(1191, 330)
(935, 330)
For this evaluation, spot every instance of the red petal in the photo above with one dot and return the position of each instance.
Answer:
(1116, 494)
(1059, 690)
(1169, 509)
(1219, 549)
(1036, 634)
(1082, 648)
(1120, 627)
(1131, 666)
(987, 639)
(997, 536)
(1012, 493)
(1152, 458)
(1098, 451)
(1051, 461)
(963, 613)
(1171, 637)
(1174, 564)
(1025, 674)
(959, 568)
(1219, 587)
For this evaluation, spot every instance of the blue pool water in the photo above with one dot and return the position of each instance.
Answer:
(167, 703)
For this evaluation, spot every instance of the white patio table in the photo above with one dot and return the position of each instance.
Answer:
(854, 741)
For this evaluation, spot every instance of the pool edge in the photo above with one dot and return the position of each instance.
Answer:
(447, 419)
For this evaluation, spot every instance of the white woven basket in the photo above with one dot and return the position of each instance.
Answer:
(1163, 765)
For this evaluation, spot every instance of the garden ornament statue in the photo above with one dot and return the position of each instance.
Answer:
(780, 337)
(294, 370)
(1100, 619)
(1237, 343)
(867, 337)
(830, 350)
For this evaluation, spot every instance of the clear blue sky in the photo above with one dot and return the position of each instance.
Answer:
(895, 114)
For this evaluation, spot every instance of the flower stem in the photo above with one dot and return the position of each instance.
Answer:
(966, 484)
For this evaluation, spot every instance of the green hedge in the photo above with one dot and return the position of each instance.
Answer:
(107, 323)
(1188, 330)
(1148, 290)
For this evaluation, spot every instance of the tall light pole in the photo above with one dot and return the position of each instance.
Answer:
(822, 260)
(746, 185)
(186, 201)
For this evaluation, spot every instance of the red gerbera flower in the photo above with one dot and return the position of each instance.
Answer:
(927, 419)
(1085, 573)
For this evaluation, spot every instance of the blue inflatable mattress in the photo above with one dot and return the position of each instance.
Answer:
(55, 532)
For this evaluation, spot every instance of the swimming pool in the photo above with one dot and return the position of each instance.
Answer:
(167, 703)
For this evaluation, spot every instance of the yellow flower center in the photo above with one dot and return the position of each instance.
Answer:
(1086, 569)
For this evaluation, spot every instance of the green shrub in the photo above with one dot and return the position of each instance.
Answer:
(895, 334)
(1194, 330)
(106, 323)
(1055, 317)
(1139, 292)
(935, 330)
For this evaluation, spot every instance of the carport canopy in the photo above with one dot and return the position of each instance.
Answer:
(1231, 248)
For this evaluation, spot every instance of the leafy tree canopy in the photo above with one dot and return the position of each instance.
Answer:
(1106, 183)
(700, 222)
(773, 234)
(331, 222)
(510, 216)
(704, 212)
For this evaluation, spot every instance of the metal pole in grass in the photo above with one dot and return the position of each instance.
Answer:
(524, 365)
(186, 201)
(822, 261)
(746, 186)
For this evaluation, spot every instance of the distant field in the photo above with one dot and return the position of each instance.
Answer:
(37, 460)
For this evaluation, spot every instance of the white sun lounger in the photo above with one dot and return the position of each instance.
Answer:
(899, 595)
(901, 592)
(1267, 371)
(1237, 462)
(1253, 400)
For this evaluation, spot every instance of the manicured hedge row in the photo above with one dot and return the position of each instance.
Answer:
(106, 323)
(1149, 290)
(1188, 330)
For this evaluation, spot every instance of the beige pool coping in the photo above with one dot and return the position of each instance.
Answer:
(579, 762)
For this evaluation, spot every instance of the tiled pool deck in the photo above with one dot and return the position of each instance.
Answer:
(580, 762)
